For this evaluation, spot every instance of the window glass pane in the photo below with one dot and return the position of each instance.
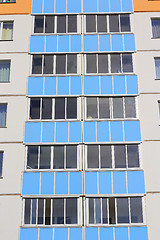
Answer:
(72, 63)
(40, 211)
(90, 23)
(125, 23)
(71, 156)
(3, 114)
(27, 211)
(47, 108)
(49, 24)
(112, 211)
(35, 108)
(92, 156)
(58, 211)
(60, 64)
(45, 157)
(106, 156)
(61, 24)
(1, 163)
(48, 212)
(91, 63)
(72, 108)
(127, 62)
(7, 31)
(102, 63)
(156, 28)
(98, 210)
(5, 71)
(58, 162)
(118, 108)
(104, 211)
(120, 156)
(59, 108)
(114, 23)
(133, 156)
(92, 108)
(122, 210)
(101, 23)
(34, 208)
(116, 63)
(37, 64)
(32, 157)
(136, 210)
(48, 64)
(91, 210)
(38, 25)
(71, 211)
(157, 65)
(104, 110)
(72, 23)
(130, 108)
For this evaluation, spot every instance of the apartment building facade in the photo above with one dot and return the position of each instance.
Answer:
(80, 143)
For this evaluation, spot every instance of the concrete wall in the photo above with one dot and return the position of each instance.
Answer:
(10, 218)
(11, 137)
(147, 49)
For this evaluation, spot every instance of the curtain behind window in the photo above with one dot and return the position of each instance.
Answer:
(156, 28)
(1, 163)
(157, 64)
(7, 31)
(3, 111)
(4, 71)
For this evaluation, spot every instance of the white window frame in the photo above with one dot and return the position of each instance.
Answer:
(79, 212)
(108, 26)
(1, 30)
(53, 109)
(52, 160)
(79, 24)
(116, 219)
(112, 158)
(54, 65)
(109, 63)
(110, 107)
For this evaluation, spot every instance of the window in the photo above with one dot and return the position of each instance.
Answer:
(112, 156)
(120, 210)
(7, 1)
(64, 108)
(55, 24)
(54, 64)
(156, 27)
(3, 114)
(157, 66)
(98, 23)
(1, 163)
(52, 157)
(99, 63)
(110, 108)
(5, 70)
(6, 30)
(49, 211)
